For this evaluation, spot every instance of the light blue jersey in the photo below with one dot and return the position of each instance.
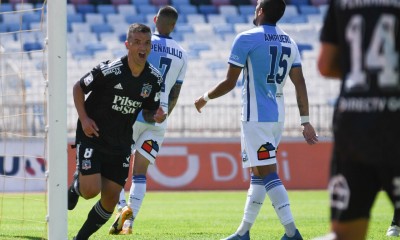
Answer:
(267, 54)
(171, 60)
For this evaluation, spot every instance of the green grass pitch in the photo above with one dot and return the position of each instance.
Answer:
(190, 215)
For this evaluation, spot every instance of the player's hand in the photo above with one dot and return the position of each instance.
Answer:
(89, 127)
(309, 134)
(199, 103)
(160, 115)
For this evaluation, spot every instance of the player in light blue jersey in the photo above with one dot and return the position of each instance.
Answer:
(171, 60)
(267, 56)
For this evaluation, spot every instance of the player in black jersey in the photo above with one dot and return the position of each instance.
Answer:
(360, 44)
(118, 90)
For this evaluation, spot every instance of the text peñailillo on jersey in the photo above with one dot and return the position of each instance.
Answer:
(115, 99)
(267, 54)
(171, 60)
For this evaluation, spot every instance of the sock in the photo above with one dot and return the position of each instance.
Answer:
(136, 193)
(280, 201)
(255, 198)
(97, 217)
(122, 201)
(396, 219)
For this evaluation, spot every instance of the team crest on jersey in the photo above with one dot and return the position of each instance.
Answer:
(86, 164)
(146, 90)
(151, 147)
(266, 151)
(88, 79)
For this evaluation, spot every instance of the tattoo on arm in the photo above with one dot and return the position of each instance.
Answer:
(173, 97)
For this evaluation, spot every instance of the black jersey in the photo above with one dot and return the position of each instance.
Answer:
(115, 99)
(367, 112)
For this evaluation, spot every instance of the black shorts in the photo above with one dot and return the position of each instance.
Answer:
(92, 161)
(354, 185)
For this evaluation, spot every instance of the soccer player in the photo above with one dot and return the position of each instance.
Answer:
(360, 44)
(267, 56)
(119, 90)
(171, 60)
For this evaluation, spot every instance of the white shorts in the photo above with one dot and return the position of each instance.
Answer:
(259, 142)
(148, 140)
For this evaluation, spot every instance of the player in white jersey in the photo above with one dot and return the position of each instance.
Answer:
(267, 56)
(171, 60)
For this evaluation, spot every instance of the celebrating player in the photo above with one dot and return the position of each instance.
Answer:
(118, 90)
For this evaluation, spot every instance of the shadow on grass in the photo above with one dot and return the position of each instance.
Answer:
(6, 237)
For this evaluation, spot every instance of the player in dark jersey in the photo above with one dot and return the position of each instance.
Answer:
(360, 44)
(118, 90)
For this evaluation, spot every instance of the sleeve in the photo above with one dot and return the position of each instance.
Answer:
(153, 101)
(328, 31)
(239, 51)
(92, 80)
(297, 56)
(182, 73)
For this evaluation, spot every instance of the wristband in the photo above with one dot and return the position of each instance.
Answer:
(304, 119)
(205, 97)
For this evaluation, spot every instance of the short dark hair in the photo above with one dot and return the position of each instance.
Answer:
(168, 12)
(137, 27)
(273, 10)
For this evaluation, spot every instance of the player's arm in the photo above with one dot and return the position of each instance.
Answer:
(221, 88)
(88, 125)
(173, 96)
(328, 60)
(296, 75)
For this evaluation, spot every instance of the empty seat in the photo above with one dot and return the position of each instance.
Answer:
(119, 2)
(101, 28)
(159, 2)
(208, 9)
(216, 19)
(246, 10)
(6, 7)
(140, 2)
(85, 8)
(106, 9)
(146, 9)
(23, 6)
(115, 18)
(223, 29)
(139, 18)
(71, 9)
(32, 46)
(76, 2)
(186, 9)
(75, 18)
(221, 2)
(184, 28)
(308, 9)
(177, 3)
(11, 18)
(31, 17)
(126, 10)
(227, 10)
(80, 27)
(195, 18)
(236, 19)
(94, 18)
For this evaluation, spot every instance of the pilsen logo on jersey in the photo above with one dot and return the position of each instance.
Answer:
(266, 151)
(151, 147)
(146, 90)
(125, 105)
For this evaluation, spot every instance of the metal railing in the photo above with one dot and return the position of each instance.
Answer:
(185, 121)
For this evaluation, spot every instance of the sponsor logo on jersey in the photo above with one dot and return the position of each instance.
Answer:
(86, 164)
(266, 151)
(125, 105)
(151, 147)
(118, 86)
(113, 67)
(88, 79)
(146, 90)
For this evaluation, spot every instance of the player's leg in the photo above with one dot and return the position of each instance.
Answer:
(394, 228)
(87, 178)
